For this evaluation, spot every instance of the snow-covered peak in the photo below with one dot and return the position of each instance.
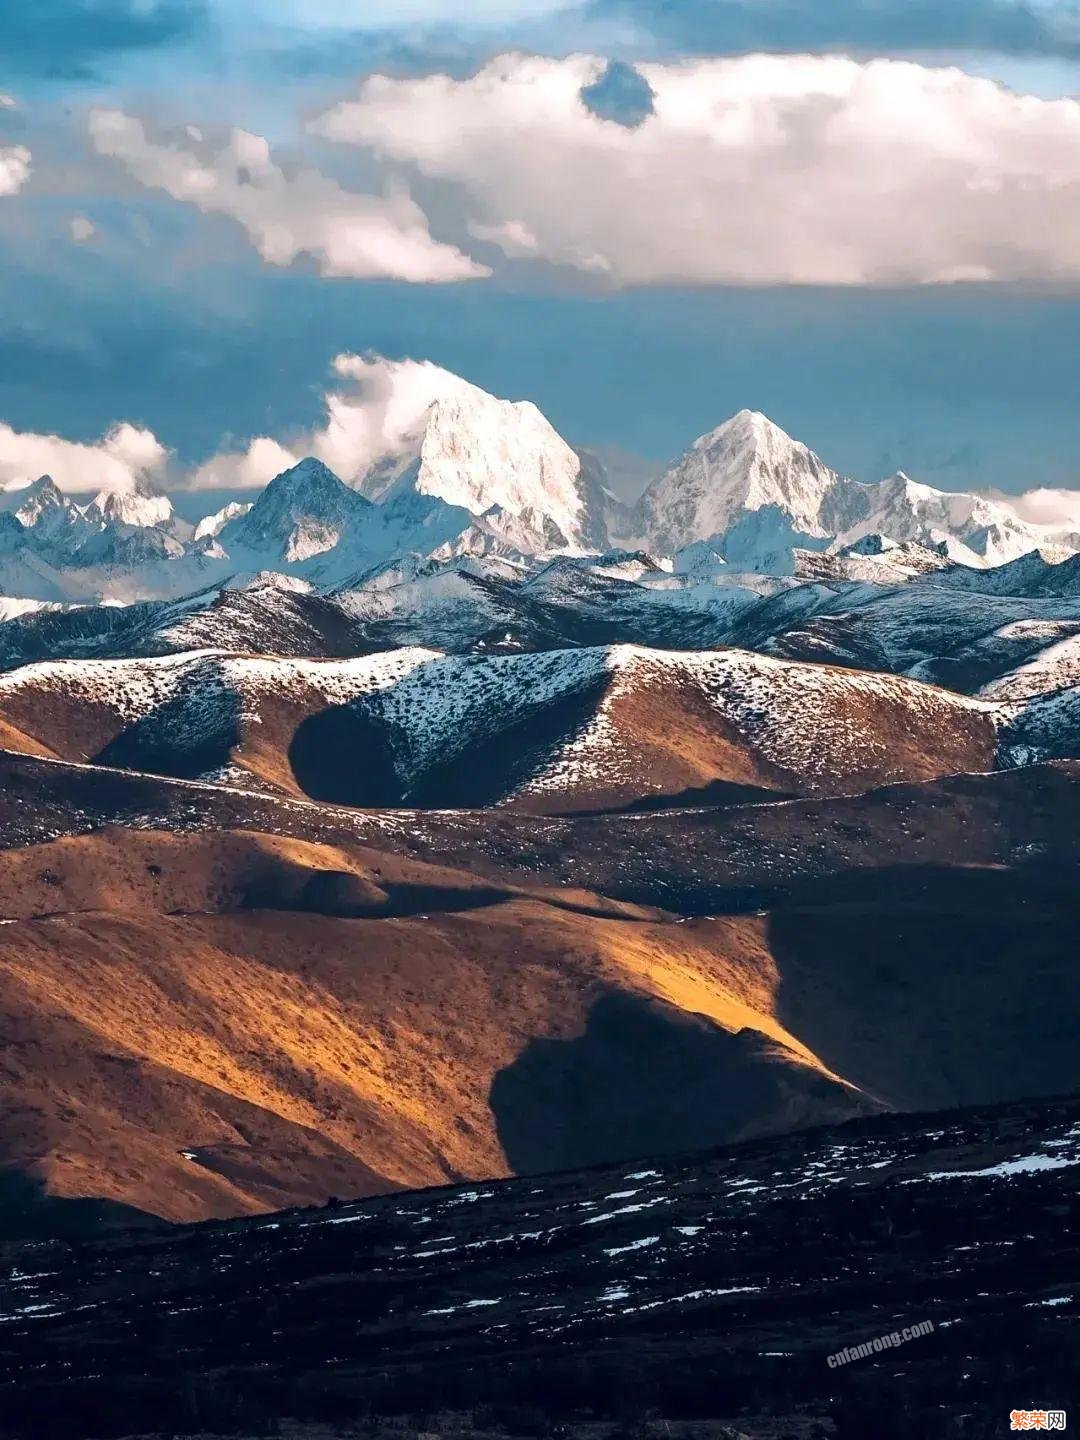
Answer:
(141, 506)
(306, 477)
(274, 580)
(757, 496)
(478, 453)
(745, 465)
(972, 529)
(744, 427)
(36, 500)
(301, 513)
(52, 524)
(211, 525)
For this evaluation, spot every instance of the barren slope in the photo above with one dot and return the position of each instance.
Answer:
(170, 1048)
(696, 1297)
(553, 732)
(175, 1044)
(693, 860)
(201, 713)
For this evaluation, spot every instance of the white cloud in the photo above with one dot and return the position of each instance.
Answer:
(512, 237)
(124, 456)
(81, 229)
(372, 412)
(762, 169)
(381, 404)
(286, 216)
(248, 469)
(1057, 509)
(14, 168)
(8, 102)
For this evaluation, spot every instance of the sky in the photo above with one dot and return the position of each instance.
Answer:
(860, 216)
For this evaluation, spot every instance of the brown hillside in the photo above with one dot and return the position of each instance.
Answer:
(299, 1055)
(716, 726)
(14, 739)
(395, 1023)
(552, 733)
(48, 718)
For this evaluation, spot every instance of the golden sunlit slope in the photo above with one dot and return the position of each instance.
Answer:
(11, 738)
(221, 1022)
(294, 1055)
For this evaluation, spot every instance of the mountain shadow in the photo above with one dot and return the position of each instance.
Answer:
(342, 756)
(345, 755)
(498, 763)
(933, 986)
(185, 737)
(646, 1078)
(27, 1212)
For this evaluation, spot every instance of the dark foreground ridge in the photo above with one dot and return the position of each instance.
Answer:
(709, 1288)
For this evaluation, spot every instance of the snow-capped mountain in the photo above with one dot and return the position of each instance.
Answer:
(52, 523)
(466, 475)
(973, 529)
(1050, 570)
(59, 550)
(212, 525)
(481, 454)
(42, 506)
(302, 512)
(745, 466)
(309, 521)
(142, 505)
(877, 559)
(756, 496)
(129, 546)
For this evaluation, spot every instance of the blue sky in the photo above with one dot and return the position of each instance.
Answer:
(156, 270)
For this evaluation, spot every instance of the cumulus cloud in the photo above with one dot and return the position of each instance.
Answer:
(247, 469)
(376, 409)
(762, 169)
(287, 216)
(14, 168)
(1056, 509)
(381, 406)
(81, 229)
(125, 456)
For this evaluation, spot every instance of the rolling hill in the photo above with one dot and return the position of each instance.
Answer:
(591, 728)
(203, 1017)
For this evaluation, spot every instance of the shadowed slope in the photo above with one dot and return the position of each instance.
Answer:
(654, 1299)
(171, 1049)
(173, 1044)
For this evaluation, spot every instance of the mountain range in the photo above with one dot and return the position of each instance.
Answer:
(460, 822)
(484, 477)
